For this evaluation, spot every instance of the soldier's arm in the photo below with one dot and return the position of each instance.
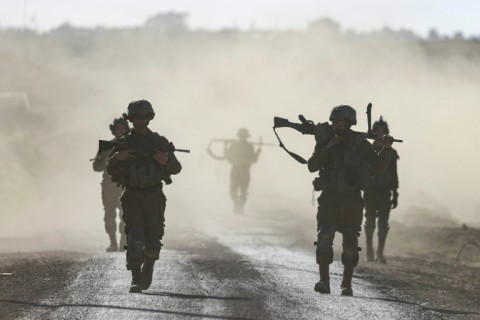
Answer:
(173, 165)
(378, 162)
(393, 159)
(112, 163)
(99, 161)
(319, 158)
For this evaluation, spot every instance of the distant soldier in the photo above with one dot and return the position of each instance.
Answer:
(241, 154)
(339, 157)
(141, 166)
(380, 195)
(111, 192)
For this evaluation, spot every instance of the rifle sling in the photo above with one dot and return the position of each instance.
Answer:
(293, 155)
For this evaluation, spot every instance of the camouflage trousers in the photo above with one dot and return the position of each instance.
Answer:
(239, 181)
(111, 202)
(144, 216)
(377, 205)
(342, 212)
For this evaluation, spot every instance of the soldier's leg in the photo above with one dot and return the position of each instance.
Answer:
(243, 188)
(133, 216)
(121, 228)
(234, 187)
(155, 219)
(350, 225)
(350, 259)
(369, 226)
(383, 226)
(324, 254)
(109, 206)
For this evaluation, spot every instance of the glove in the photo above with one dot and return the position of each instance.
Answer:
(394, 200)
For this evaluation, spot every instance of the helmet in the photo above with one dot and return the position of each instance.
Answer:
(243, 133)
(380, 123)
(118, 121)
(140, 106)
(344, 112)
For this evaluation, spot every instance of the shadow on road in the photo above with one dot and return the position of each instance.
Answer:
(88, 305)
(195, 296)
(443, 311)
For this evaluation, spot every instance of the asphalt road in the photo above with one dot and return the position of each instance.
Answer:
(240, 267)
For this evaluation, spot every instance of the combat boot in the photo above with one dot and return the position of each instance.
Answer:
(369, 257)
(136, 286)
(346, 285)
(381, 247)
(147, 273)
(113, 247)
(323, 286)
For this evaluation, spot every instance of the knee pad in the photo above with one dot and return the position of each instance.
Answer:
(350, 254)
(135, 242)
(324, 257)
(369, 228)
(350, 257)
(324, 250)
(383, 228)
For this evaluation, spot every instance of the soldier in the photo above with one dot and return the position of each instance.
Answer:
(380, 195)
(111, 192)
(339, 157)
(140, 166)
(241, 154)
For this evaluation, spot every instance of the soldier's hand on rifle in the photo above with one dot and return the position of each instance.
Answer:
(387, 141)
(124, 155)
(334, 141)
(394, 200)
(161, 157)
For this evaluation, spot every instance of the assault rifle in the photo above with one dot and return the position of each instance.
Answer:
(104, 145)
(142, 154)
(260, 143)
(322, 131)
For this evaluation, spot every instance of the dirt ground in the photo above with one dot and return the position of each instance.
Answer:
(422, 270)
(422, 265)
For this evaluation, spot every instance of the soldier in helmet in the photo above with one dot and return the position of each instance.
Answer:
(141, 167)
(241, 155)
(339, 156)
(111, 191)
(380, 195)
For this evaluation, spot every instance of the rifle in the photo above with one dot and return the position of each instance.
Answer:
(104, 145)
(142, 154)
(322, 131)
(260, 143)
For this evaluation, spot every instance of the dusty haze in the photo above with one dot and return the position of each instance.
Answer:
(206, 85)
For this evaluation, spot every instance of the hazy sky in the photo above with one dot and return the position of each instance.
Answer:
(446, 16)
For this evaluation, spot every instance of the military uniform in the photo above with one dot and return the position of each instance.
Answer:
(241, 155)
(111, 202)
(143, 200)
(340, 205)
(379, 190)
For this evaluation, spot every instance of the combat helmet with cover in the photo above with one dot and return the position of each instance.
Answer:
(139, 107)
(118, 121)
(243, 133)
(380, 123)
(344, 112)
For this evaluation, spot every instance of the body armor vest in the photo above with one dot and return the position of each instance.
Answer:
(144, 171)
(375, 180)
(343, 170)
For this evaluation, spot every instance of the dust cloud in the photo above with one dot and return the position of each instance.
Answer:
(207, 84)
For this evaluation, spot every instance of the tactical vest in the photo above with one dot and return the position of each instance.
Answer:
(144, 171)
(344, 167)
(374, 180)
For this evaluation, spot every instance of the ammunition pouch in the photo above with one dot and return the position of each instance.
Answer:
(317, 184)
